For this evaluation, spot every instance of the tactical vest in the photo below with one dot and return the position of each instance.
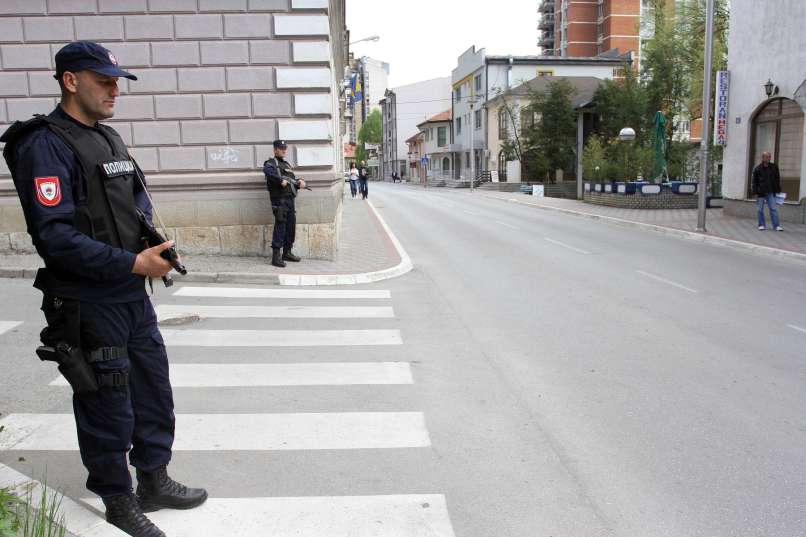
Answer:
(110, 212)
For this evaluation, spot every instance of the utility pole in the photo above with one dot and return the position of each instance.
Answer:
(706, 118)
(472, 127)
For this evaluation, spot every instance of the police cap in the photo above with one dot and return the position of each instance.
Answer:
(80, 55)
(280, 144)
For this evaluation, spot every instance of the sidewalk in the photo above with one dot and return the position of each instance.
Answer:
(737, 232)
(368, 251)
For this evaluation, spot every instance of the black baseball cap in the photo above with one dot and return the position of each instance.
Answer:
(86, 55)
(280, 144)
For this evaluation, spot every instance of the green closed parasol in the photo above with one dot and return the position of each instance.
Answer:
(659, 147)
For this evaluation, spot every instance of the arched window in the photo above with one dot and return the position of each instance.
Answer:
(446, 165)
(778, 128)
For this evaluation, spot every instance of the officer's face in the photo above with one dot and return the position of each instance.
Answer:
(95, 94)
(280, 152)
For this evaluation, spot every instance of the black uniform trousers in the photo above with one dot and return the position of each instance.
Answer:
(285, 223)
(137, 419)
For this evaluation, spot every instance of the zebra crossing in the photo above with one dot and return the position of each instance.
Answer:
(422, 514)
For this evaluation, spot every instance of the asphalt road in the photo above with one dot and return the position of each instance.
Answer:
(575, 379)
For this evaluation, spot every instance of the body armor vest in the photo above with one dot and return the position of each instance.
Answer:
(110, 212)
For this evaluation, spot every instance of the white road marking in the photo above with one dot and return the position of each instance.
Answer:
(241, 432)
(799, 329)
(169, 311)
(5, 326)
(300, 374)
(668, 282)
(405, 515)
(280, 338)
(568, 246)
(507, 225)
(259, 292)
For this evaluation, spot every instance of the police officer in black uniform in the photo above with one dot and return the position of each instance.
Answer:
(283, 187)
(81, 193)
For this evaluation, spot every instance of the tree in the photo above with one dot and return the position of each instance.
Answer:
(551, 139)
(622, 103)
(371, 132)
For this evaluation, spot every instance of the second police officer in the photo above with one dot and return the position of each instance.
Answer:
(81, 192)
(283, 187)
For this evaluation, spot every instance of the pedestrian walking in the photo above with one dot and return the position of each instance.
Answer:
(84, 197)
(353, 180)
(766, 184)
(363, 178)
(283, 186)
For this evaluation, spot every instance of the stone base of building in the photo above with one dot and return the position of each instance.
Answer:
(794, 213)
(236, 222)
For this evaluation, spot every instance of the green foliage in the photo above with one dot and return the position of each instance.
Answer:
(371, 132)
(623, 103)
(8, 514)
(551, 140)
(595, 164)
(46, 520)
(19, 518)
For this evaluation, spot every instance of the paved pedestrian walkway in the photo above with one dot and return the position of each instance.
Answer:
(793, 239)
(364, 247)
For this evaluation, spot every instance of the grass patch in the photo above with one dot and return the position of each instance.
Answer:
(19, 517)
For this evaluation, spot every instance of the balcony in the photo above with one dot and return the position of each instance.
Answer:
(546, 41)
(546, 22)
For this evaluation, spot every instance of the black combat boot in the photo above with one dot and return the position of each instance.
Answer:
(277, 258)
(156, 490)
(288, 255)
(124, 512)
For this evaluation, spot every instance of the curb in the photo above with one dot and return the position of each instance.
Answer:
(680, 233)
(80, 520)
(405, 265)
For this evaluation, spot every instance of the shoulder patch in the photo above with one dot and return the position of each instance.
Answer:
(48, 191)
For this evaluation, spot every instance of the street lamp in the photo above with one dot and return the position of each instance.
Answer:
(770, 89)
(372, 38)
(627, 134)
(472, 126)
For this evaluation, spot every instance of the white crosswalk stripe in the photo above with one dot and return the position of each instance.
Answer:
(304, 374)
(275, 312)
(5, 326)
(415, 515)
(352, 433)
(225, 432)
(257, 292)
(280, 338)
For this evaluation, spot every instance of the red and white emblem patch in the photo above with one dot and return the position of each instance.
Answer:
(48, 191)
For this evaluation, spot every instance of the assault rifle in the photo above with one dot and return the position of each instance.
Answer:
(152, 237)
(293, 184)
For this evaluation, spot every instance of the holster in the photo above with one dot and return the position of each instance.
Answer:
(63, 339)
(280, 214)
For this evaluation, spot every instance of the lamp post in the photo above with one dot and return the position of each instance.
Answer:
(706, 118)
(472, 126)
(627, 134)
(770, 89)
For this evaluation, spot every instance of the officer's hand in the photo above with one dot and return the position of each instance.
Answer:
(302, 183)
(284, 183)
(149, 263)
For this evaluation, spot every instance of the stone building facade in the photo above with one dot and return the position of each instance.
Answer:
(218, 81)
(766, 104)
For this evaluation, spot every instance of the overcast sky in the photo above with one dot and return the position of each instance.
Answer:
(422, 39)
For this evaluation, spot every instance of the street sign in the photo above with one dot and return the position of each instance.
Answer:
(371, 147)
(494, 176)
(373, 163)
(721, 108)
